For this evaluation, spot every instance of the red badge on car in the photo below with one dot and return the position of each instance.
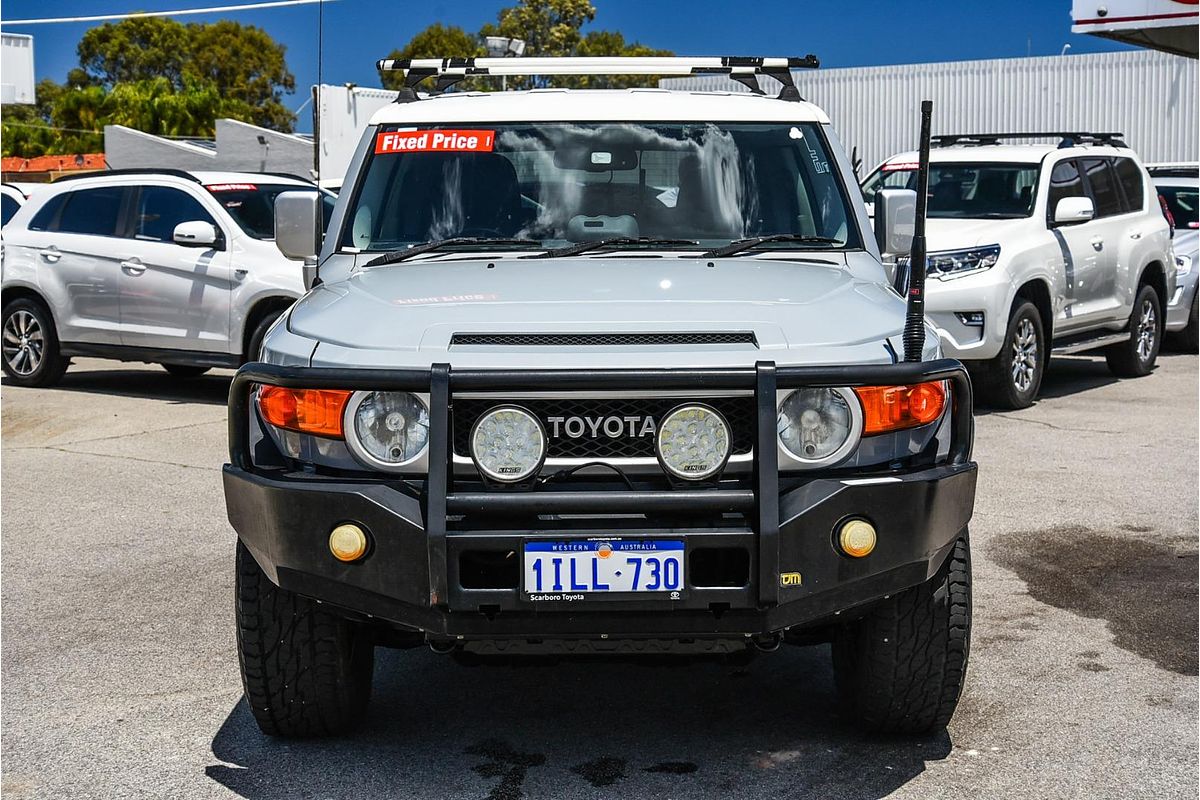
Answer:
(440, 141)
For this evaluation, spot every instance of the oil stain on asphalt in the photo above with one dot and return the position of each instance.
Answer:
(1145, 588)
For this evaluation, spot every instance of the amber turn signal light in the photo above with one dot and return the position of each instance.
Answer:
(894, 408)
(314, 411)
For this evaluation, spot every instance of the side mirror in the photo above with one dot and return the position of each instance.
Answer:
(196, 234)
(298, 224)
(1073, 210)
(895, 221)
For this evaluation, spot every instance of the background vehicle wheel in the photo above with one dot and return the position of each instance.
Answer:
(306, 672)
(254, 345)
(184, 370)
(900, 669)
(1188, 339)
(1013, 378)
(1135, 357)
(30, 345)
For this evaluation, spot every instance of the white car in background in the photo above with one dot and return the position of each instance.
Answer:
(1034, 247)
(1179, 187)
(12, 197)
(163, 266)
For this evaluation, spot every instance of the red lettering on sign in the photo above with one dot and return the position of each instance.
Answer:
(435, 142)
(231, 187)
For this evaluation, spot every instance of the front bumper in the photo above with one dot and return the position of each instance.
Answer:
(414, 578)
(1179, 309)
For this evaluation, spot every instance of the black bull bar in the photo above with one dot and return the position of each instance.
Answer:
(760, 503)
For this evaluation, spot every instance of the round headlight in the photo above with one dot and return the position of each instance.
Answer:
(388, 429)
(818, 426)
(508, 444)
(693, 442)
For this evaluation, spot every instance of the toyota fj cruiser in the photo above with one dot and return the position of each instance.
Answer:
(1037, 247)
(600, 372)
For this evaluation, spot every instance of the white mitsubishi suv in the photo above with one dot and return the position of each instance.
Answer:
(164, 266)
(1036, 248)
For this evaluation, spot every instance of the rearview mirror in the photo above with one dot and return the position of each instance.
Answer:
(196, 234)
(298, 224)
(1073, 210)
(895, 221)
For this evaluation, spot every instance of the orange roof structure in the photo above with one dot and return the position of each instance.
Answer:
(88, 161)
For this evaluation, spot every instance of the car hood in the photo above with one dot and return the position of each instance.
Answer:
(407, 314)
(959, 234)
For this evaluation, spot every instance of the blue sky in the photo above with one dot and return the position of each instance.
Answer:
(846, 33)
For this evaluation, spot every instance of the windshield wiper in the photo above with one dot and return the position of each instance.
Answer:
(396, 256)
(616, 242)
(754, 242)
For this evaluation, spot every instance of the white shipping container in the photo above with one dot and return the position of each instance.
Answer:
(1148, 96)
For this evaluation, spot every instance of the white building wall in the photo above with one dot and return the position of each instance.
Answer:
(1149, 96)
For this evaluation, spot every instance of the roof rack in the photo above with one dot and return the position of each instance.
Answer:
(743, 69)
(106, 173)
(1066, 138)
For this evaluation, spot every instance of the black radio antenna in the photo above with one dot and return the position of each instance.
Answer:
(914, 320)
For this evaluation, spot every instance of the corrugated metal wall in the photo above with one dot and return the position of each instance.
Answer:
(1149, 96)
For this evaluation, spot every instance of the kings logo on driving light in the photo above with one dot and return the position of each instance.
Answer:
(448, 141)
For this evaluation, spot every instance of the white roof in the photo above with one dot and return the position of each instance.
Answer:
(598, 105)
(1003, 153)
(213, 177)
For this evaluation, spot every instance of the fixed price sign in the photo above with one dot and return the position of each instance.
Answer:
(445, 141)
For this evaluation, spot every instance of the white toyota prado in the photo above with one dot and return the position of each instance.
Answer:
(1035, 248)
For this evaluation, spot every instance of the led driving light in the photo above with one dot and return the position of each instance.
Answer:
(856, 538)
(819, 426)
(348, 542)
(387, 429)
(952, 263)
(508, 444)
(693, 442)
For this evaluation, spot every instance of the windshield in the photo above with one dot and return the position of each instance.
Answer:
(252, 205)
(1182, 202)
(971, 191)
(559, 184)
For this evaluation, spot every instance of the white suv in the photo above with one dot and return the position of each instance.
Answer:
(1040, 247)
(163, 266)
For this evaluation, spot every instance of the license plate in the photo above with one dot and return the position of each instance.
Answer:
(579, 570)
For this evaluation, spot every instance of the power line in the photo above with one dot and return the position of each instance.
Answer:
(179, 13)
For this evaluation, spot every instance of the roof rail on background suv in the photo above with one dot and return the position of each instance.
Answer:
(107, 173)
(743, 69)
(1066, 138)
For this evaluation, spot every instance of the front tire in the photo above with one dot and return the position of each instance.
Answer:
(254, 344)
(1013, 378)
(306, 672)
(1135, 357)
(30, 352)
(900, 668)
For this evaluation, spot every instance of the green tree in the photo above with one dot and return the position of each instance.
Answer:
(549, 28)
(135, 49)
(436, 41)
(245, 65)
(243, 62)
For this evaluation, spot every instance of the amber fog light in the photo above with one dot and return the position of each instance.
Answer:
(348, 542)
(856, 538)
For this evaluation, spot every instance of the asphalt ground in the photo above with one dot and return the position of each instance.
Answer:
(120, 679)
